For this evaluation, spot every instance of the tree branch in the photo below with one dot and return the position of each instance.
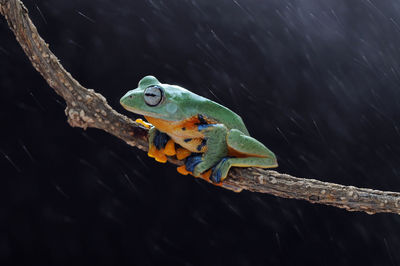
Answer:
(86, 108)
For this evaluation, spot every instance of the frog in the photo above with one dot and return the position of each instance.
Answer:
(207, 136)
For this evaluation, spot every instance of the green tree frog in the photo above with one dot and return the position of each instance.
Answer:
(210, 137)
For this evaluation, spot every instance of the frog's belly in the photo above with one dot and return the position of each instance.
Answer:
(197, 145)
(185, 132)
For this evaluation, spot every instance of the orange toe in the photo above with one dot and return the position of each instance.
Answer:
(182, 170)
(206, 175)
(170, 148)
(160, 156)
(152, 151)
(140, 121)
(182, 153)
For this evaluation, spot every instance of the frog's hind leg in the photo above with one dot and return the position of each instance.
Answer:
(246, 152)
(241, 145)
(221, 170)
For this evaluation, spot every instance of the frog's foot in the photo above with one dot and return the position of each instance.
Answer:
(220, 171)
(145, 124)
(206, 175)
(158, 155)
(190, 165)
(213, 175)
(160, 146)
(192, 161)
(182, 170)
(169, 148)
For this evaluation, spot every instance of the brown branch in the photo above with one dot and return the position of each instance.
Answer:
(86, 108)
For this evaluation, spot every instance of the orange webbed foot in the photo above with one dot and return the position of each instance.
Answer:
(158, 155)
(152, 151)
(182, 170)
(145, 124)
(206, 175)
(169, 148)
(160, 145)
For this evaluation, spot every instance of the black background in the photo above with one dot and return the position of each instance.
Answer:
(316, 81)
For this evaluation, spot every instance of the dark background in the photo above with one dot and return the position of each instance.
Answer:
(316, 81)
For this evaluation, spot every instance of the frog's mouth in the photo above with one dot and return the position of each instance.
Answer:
(126, 107)
(141, 112)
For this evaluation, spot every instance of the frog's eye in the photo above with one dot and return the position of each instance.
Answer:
(153, 95)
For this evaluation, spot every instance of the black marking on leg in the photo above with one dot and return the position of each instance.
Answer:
(192, 161)
(202, 144)
(216, 176)
(187, 140)
(160, 140)
(202, 124)
(201, 127)
(216, 171)
(202, 121)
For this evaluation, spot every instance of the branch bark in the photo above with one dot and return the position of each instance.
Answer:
(86, 108)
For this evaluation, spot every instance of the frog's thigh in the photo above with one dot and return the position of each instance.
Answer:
(246, 145)
(254, 153)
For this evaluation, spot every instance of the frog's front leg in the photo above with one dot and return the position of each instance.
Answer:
(160, 145)
(215, 137)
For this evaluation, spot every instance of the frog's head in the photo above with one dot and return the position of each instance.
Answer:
(151, 98)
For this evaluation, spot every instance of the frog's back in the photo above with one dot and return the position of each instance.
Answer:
(218, 113)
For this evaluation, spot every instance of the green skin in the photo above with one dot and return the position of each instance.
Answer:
(178, 104)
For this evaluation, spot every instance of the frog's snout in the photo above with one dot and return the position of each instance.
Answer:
(124, 99)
